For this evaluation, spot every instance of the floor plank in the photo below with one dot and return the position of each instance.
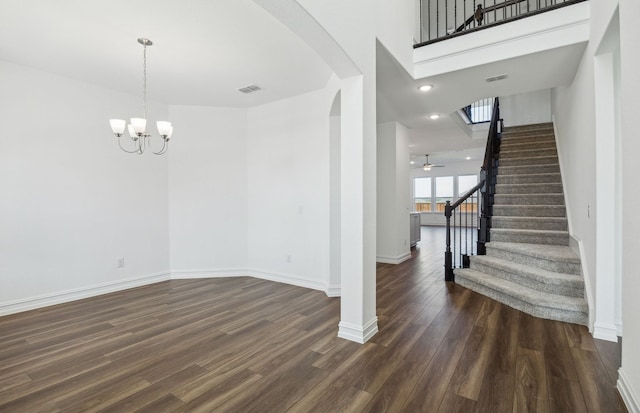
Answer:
(250, 345)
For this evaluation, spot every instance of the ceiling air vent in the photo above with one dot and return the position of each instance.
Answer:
(250, 89)
(496, 78)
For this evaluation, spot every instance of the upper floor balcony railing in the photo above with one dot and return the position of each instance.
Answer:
(442, 19)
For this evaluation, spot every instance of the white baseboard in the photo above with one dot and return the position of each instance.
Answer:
(577, 247)
(359, 334)
(607, 332)
(286, 279)
(32, 303)
(216, 273)
(629, 396)
(333, 291)
(329, 290)
(394, 260)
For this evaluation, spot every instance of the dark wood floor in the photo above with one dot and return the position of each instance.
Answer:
(247, 345)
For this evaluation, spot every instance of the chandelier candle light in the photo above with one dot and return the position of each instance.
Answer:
(138, 126)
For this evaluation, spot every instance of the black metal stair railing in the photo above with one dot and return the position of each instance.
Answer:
(442, 19)
(469, 218)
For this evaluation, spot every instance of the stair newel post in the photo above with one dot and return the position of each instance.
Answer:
(448, 263)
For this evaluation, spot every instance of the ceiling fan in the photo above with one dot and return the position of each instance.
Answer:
(427, 166)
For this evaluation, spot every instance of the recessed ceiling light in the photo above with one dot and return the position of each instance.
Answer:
(434, 116)
(425, 88)
(468, 158)
(412, 162)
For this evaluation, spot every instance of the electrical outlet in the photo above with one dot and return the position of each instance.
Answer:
(121, 262)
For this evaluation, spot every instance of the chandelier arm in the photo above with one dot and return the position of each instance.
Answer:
(164, 148)
(127, 151)
(143, 144)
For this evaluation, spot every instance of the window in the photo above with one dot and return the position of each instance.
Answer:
(422, 194)
(465, 183)
(444, 191)
(431, 194)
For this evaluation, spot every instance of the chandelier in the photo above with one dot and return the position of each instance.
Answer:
(138, 127)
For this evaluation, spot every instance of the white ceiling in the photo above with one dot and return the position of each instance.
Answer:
(203, 51)
(444, 139)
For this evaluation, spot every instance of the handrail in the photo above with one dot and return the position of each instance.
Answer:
(435, 20)
(486, 10)
(486, 188)
(466, 195)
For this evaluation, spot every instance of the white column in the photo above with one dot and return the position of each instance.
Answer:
(357, 311)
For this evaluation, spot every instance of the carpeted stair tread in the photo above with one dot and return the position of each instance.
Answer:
(532, 178)
(552, 223)
(529, 199)
(528, 236)
(529, 127)
(509, 153)
(516, 142)
(549, 252)
(531, 160)
(532, 277)
(529, 210)
(528, 169)
(555, 258)
(537, 303)
(525, 146)
(530, 188)
(509, 140)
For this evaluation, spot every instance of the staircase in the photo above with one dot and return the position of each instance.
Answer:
(529, 265)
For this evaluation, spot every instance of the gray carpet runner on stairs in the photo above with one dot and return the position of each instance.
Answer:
(529, 265)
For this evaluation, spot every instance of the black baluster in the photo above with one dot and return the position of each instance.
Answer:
(438, 19)
(464, 15)
(429, 16)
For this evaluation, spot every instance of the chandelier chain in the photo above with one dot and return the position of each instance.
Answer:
(144, 92)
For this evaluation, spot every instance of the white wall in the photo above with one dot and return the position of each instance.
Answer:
(573, 110)
(288, 170)
(393, 245)
(208, 200)
(526, 108)
(629, 374)
(72, 202)
(403, 206)
(395, 29)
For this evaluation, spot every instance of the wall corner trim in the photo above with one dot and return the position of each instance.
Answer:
(357, 333)
(629, 397)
